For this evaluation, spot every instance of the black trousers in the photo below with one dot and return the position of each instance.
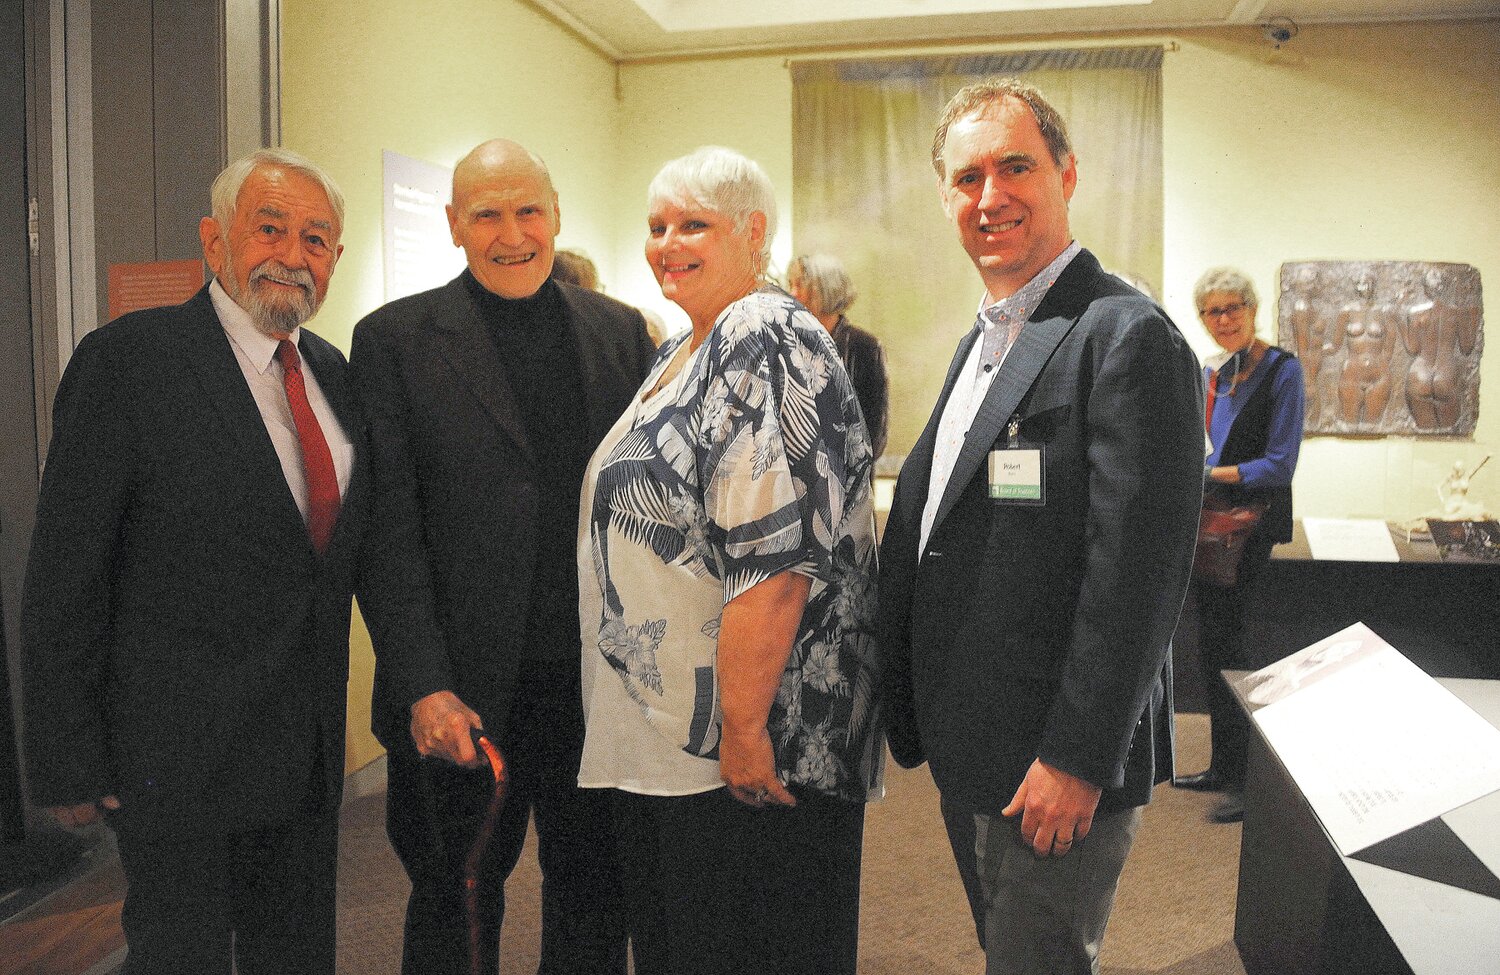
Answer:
(716, 887)
(1221, 646)
(434, 811)
(262, 896)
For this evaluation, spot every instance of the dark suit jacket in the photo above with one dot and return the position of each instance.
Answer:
(184, 645)
(865, 360)
(448, 583)
(1040, 631)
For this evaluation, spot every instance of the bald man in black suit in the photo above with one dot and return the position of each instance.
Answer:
(486, 399)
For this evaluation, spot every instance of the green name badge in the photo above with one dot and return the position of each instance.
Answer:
(1017, 476)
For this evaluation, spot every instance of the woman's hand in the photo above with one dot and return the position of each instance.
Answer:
(756, 635)
(748, 766)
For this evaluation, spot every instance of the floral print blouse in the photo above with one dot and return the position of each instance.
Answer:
(754, 461)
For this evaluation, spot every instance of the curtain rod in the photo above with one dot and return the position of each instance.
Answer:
(968, 46)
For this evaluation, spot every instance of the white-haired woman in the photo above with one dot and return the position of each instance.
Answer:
(1254, 422)
(820, 282)
(725, 555)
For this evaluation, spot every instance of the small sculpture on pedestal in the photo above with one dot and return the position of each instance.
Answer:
(1465, 530)
(1454, 495)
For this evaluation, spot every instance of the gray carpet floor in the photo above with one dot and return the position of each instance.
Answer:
(1174, 914)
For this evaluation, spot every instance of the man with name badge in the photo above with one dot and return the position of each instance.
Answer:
(1039, 546)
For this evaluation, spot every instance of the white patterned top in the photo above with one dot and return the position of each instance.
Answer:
(752, 462)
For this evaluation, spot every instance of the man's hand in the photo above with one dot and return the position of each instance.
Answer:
(748, 767)
(83, 813)
(1057, 809)
(440, 725)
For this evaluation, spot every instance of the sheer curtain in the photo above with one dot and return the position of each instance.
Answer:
(864, 190)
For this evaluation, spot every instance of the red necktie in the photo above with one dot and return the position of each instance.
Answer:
(317, 461)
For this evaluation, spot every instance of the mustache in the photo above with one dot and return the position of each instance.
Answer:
(274, 269)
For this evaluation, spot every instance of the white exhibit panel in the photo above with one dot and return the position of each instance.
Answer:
(1376, 745)
(419, 252)
(1350, 540)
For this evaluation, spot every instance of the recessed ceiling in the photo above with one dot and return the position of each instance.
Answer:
(633, 30)
(676, 16)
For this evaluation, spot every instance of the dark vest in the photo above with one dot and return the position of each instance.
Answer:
(1247, 441)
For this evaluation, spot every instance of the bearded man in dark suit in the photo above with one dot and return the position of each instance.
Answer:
(1038, 547)
(186, 620)
(486, 398)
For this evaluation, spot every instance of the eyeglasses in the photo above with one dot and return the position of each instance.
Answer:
(1219, 311)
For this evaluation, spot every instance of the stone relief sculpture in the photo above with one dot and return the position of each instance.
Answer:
(1387, 347)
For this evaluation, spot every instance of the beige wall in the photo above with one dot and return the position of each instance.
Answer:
(1378, 142)
(1352, 143)
(431, 81)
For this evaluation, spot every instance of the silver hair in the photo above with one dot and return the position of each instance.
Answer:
(725, 182)
(227, 185)
(823, 278)
(1227, 280)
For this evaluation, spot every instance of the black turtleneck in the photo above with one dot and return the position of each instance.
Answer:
(540, 355)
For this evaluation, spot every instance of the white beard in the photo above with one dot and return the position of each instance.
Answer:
(272, 317)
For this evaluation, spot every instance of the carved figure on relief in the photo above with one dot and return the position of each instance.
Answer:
(1438, 335)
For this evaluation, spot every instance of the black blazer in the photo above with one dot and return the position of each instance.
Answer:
(1041, 631)
(447, 586)
(183, 645)
(864, 358)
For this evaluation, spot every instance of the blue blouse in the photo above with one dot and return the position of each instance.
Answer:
(1288, 391)
(757, 463)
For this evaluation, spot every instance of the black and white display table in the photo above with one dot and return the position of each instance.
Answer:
(1304, 908)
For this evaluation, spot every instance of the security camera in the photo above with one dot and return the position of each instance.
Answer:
(1279, 30)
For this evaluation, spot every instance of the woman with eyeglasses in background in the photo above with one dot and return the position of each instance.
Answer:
(1255, 405)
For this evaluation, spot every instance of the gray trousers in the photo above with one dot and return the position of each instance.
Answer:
(1039, 915)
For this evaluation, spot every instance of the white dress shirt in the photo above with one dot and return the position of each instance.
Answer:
(974, 380)
(256, 353)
